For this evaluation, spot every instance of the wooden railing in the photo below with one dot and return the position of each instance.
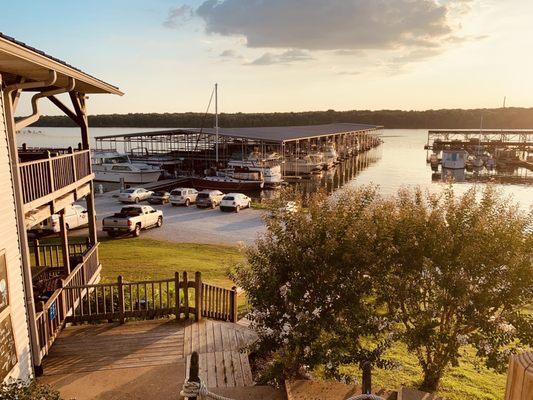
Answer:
(219, 303)
(177, 296)
(50, 320)
(53, 314)
(51, 254)
(41, 178)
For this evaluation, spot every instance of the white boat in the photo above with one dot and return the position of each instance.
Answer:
(454, 159)
(330, 155)
(269, 167)
(112, 166)
(303, 165)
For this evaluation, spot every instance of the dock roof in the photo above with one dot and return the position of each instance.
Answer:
(19, 59)
(277, 134)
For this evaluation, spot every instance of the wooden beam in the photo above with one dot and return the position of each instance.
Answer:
(64, 241)
(59, 104)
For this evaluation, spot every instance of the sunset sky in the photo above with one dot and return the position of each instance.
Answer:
(288, 55)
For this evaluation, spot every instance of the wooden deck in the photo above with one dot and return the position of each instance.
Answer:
(89, 348)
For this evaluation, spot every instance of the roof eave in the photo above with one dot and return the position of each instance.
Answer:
(45, 62)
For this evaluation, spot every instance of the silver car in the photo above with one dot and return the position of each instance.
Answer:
(134, 195)
(183, 196)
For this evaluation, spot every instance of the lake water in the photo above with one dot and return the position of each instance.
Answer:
(400, 161)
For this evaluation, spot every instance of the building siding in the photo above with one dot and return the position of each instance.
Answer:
(9, 241)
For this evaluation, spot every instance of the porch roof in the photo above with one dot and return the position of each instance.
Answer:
(17, 59)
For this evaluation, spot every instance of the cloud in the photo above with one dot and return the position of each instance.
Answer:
(330, 25)
(177, 15)
(287, 57)
(230, 54)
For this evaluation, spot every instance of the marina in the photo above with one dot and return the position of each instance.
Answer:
(244, 158)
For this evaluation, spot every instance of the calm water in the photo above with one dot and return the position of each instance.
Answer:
(399, 162)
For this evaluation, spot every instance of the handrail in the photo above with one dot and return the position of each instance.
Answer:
(44, 160)
(40, 178)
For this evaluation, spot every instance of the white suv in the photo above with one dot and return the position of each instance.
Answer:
(183, 196)
(235, 201)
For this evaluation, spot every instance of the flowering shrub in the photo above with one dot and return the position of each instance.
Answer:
(307, 281)
(335, 280)
(19, 390)
(456, 271)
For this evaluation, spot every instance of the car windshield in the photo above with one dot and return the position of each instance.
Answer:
(203, 195)
(129, 191)
(176, 193)
(130, 211)
(159, 194)
(228, 198)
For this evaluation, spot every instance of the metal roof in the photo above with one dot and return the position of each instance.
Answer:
(276, 134)
(20, 59)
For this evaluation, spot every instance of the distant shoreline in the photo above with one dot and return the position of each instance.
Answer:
(495, 118)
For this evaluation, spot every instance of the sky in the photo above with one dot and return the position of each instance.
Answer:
(287, 55)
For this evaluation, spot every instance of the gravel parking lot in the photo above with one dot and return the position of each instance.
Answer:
(191, 224)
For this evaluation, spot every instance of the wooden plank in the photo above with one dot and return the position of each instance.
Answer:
(219, 367)
(228, 369)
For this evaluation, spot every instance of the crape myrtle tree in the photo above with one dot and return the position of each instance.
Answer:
(307, 283)
(455, 271)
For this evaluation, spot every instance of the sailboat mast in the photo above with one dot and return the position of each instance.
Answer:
(216, 122)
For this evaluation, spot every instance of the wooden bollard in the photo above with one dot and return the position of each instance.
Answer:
(194, 369)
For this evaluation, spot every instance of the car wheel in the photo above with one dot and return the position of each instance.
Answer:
(187, 203)
(136, 200)
(237, 209)
(137, 231)
(174, 205)
(213, 205)
(159, 222)
(249, 204)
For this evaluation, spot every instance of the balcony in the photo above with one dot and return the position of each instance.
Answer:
(47, 175)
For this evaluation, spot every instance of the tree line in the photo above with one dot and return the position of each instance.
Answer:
(509, 118)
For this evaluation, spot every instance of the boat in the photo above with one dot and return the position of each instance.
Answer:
(330, 156)
(454, 158)
(227, 183)
(112, 166)
(305, 164)
(269, 167)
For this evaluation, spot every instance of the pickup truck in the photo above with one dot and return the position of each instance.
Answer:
(132, 219)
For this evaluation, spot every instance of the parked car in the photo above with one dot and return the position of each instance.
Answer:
(183, 196)
(134, 195)
(209, 198)
(235, 202)
(132, 219)
(75, 217)
(159, 198)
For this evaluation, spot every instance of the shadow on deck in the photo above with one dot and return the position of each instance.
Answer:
(146, 359)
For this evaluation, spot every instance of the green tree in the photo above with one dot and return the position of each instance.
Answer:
(307, 282)
(455, 271)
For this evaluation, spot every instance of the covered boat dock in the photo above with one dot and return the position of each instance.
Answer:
(193, 150)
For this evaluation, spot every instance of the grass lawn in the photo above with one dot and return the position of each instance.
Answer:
(139, 259)
(144, 259)
(468, 381)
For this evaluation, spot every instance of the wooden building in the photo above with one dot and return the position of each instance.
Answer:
(36, 183)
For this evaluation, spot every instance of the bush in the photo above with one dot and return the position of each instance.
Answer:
(19, 390)
(335, 281)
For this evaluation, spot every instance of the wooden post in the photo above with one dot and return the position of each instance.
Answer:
(367, 377)
(185, 295)
(36, 252)
(177, 293)
(194, 369)
(198, 295)
(64, 242)
(121, 299)
(233, 304)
